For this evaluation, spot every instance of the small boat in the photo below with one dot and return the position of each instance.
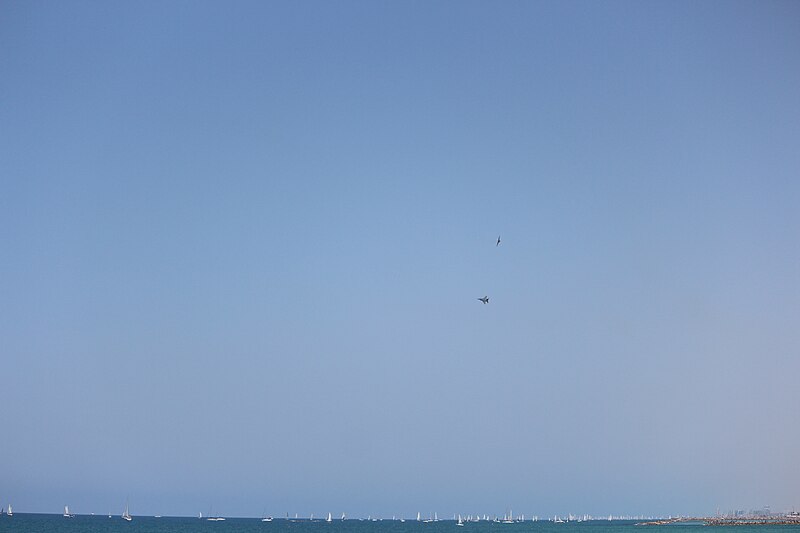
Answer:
(212, 518)
(126, 515)
(66, 512)
(329, 519)
(460, 522)
(9, 512)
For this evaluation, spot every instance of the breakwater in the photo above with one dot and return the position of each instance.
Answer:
(724, 521)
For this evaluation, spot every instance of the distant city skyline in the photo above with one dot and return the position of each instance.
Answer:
(243, 244)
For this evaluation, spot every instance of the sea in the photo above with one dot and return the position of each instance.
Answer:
(41, 523)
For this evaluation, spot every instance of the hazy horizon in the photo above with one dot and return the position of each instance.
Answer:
(242, 246)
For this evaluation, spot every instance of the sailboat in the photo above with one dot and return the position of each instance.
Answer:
(460, 522)
(126, 515)
(329, 519)
(9, 512)
(66, 512)
(212, 518)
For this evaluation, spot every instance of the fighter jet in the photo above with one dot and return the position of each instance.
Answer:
(485, 299)
(498, 241)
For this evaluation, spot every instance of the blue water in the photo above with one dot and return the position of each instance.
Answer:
(40, 523)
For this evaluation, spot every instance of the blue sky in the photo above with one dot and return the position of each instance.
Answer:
(242, 244)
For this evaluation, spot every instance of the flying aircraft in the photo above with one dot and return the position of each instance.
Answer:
(485, 299)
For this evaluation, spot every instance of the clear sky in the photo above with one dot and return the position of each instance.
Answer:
(241, 246)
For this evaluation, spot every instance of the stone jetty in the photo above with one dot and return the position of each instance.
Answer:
(723, 521)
